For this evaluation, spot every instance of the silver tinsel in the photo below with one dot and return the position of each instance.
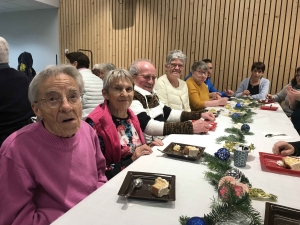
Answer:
(235, 173)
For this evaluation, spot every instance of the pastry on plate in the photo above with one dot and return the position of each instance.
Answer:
(160, 187)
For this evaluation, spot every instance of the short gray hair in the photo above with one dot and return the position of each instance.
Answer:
(104, 66)
(176, 54)
(134, 67)
(50, 71)
(4, 50)
(116, 74)
(199, 65)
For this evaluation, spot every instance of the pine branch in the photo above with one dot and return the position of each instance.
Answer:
(183, 220)
(231, 138)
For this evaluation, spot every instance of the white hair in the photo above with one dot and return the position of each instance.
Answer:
(4, 50)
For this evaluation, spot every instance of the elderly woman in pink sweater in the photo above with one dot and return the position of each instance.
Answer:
(48, 167)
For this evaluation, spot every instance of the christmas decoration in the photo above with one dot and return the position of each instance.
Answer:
(222, 154)
(235, 115)
(196, 221)
(235, 173)
(238, 105)
(245, 128)
(230, 146)
(236, 135)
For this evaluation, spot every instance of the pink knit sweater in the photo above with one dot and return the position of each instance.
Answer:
(42, 176)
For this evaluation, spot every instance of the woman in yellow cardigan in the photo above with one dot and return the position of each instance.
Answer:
(198, 91)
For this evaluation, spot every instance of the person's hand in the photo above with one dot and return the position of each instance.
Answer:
(223, 101)
(283, 148)
(293, 94)
(156, 142)
(141, 150)
(228, 92)
(214, 95)
(208, 116)
(268, 96)
(200, 126)
(246, 93)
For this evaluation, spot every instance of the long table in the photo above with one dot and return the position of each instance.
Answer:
(193, 192)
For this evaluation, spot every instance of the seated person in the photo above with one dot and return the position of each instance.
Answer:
(170, 89)
(118, 129)
(49, 166)
(198, 91)
(287, 148)
(155, 118)
(256, 86)
(92, 95)
(100, 70)
(212, 90)
(15, 108)
(282, 95)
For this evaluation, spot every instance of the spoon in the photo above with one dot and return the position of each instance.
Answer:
(272, 135)
(136, 183)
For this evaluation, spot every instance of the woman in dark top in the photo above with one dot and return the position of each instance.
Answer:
(255, 86)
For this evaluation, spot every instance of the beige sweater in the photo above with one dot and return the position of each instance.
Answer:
(175, 98)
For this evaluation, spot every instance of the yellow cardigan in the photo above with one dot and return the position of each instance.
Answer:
(198, 94)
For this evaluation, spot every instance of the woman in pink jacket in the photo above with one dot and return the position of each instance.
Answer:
(120, 136)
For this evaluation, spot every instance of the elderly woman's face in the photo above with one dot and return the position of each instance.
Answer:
(175, 68)
(120, 94)
(199, 76)
(64, 120)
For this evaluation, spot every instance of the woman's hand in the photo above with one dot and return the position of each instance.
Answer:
(246, 93)
(208, 116)
(200, 126)
(214, 95)
(141, 150)
(283, 148)
(223, 101)
(156, 142)
(268, 96)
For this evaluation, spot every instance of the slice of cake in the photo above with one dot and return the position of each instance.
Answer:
(291, 163)
(191, 151)
(176, 148)
(160, 187)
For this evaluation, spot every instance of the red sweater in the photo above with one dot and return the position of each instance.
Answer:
(42, 176)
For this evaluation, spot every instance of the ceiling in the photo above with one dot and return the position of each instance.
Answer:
(23, 5)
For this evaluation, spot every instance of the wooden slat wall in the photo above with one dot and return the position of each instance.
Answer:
(232, 33)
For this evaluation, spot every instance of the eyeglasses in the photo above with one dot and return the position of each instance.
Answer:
(148, 77)
(175, 65)
(201, 73)
(54, 100)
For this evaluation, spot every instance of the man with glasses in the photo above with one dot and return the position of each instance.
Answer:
(92, 95)
(156, 119)
(213, 92)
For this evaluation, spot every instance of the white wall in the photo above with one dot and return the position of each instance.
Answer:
(33, 31)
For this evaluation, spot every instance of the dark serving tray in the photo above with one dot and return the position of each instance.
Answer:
(281, 215)
(180, 154)
(144, 191)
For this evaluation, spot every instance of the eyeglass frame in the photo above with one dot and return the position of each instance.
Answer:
(202, 73)
(80, 97)
(175, 65)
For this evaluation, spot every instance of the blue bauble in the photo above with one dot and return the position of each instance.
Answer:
(196, 221)
(235, 115)
(238, 105)
(245, 127)
(223, 154)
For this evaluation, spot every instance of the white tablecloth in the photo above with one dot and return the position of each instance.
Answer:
(193, 192)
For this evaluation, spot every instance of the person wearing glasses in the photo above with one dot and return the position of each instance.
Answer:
(171, 90)
(118, 129)
(282, 95)
(157, 119)
(49, 166)
(93, 85)
(198, 92)
(255, 86)
(213, 92)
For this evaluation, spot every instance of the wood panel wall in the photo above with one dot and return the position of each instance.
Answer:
(233, 33)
